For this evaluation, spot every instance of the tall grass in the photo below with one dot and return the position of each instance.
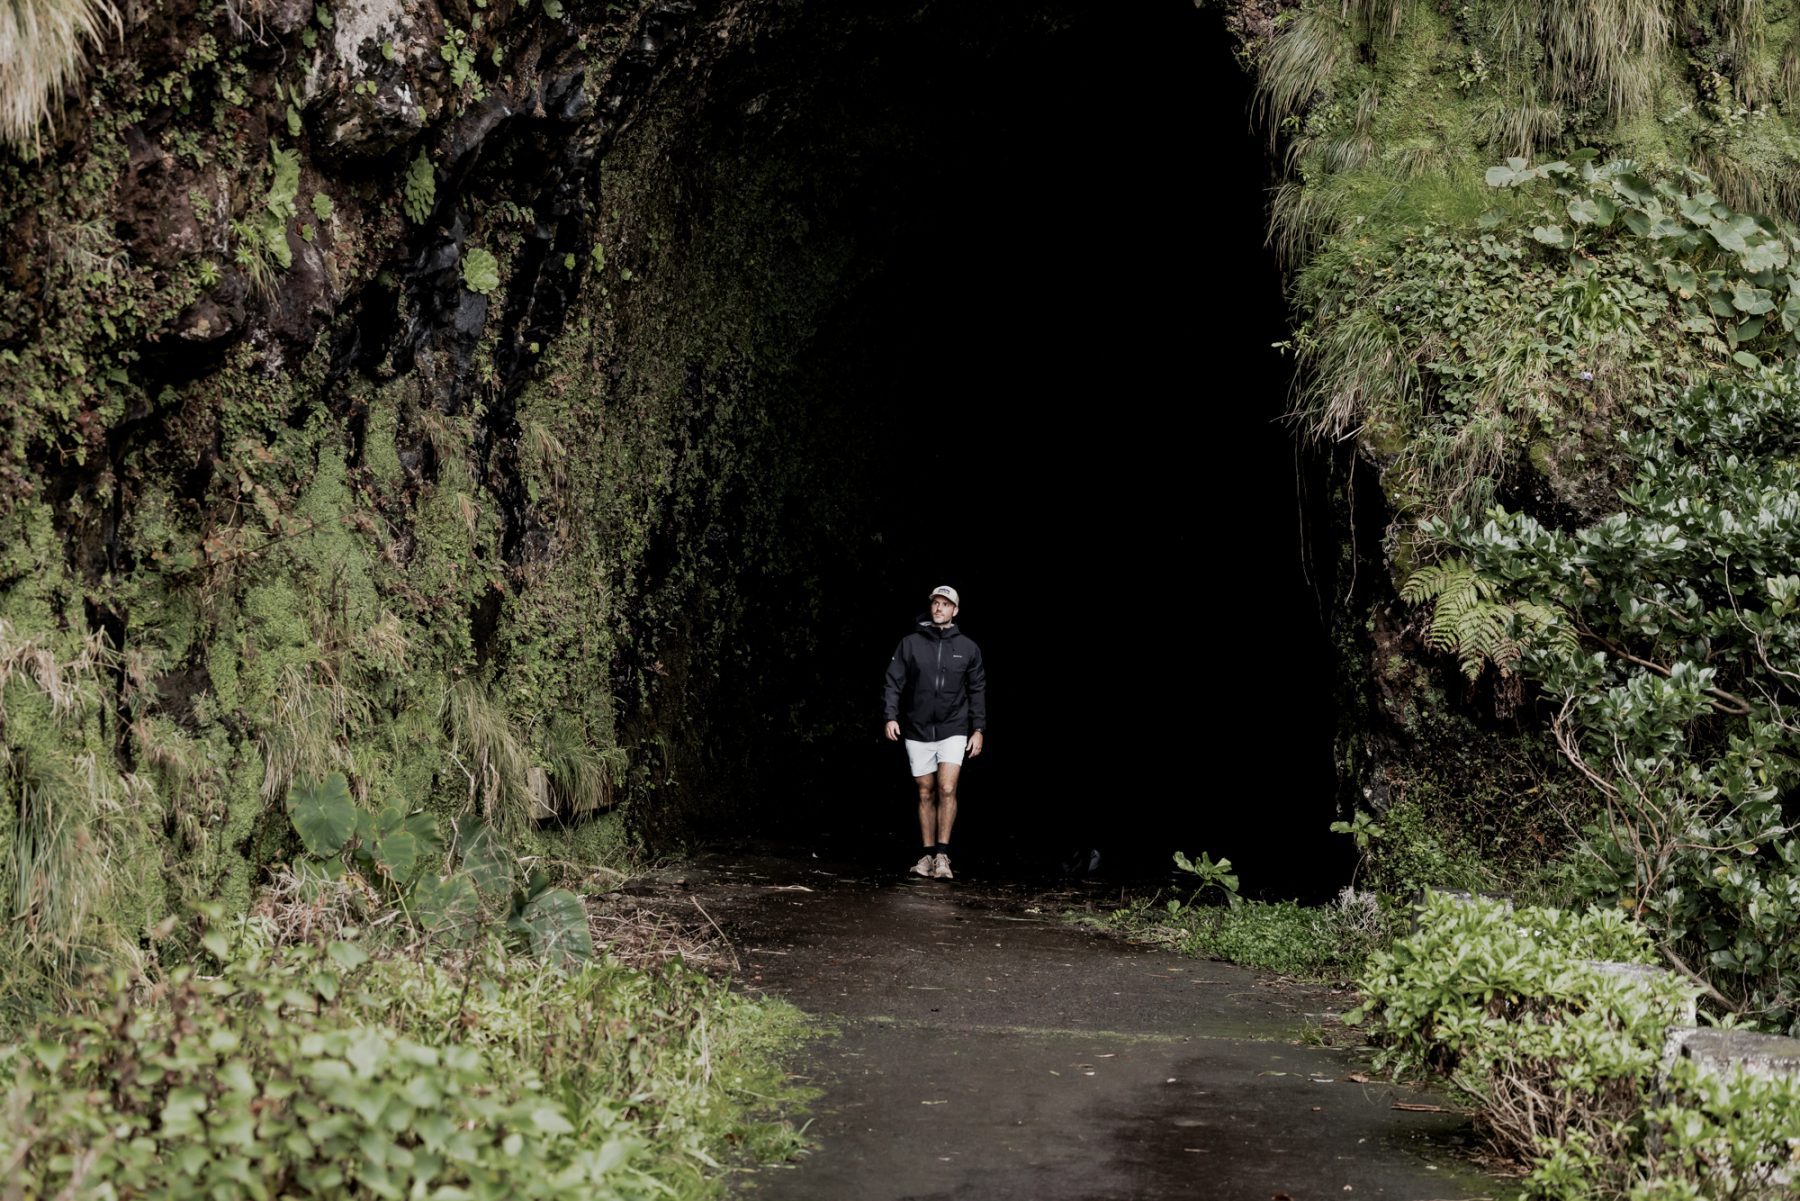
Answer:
(62, 811)
(1353, 367)
(1608, 48)
(1301, 217)
(1301, 63)
(43, 44)
(58, 865)
(491, 754)
(307, 733)
(581, 778)
(1520, 127)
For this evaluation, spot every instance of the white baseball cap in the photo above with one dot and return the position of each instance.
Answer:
(947, 591)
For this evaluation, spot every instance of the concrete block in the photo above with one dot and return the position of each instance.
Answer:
(542, 806)
(1719, 1051)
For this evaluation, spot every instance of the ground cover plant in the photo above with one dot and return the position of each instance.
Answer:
(398, 1016)
(1206, 918)
(321, 1070)
(1560, 1054)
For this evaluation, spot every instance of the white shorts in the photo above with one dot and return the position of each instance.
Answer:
(925, 756)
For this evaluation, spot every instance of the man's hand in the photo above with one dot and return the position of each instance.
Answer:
(975, 744)
(893, 731)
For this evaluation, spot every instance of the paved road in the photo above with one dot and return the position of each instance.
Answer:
(983, 1052)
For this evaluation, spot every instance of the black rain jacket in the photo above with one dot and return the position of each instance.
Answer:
(937, 675)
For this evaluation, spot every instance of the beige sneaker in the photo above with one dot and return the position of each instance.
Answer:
(940, 867)
(923, 866)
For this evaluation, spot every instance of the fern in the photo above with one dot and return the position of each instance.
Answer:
(1470, 620)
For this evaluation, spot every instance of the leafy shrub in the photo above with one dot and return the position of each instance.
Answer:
(1733, 1136)
(1665, 636)
(389, 853)
(318, 1071)
(1211, 875)
(1557, 1053)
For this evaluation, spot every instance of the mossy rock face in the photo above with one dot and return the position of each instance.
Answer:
(411, 391)
(333, 396)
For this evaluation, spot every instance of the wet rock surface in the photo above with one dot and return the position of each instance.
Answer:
(984, 1048)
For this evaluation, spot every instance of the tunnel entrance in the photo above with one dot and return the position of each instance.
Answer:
(1062, 351)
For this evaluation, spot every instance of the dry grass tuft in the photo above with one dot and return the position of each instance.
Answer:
(306, 736)
(296, 909)
(1300, 219)
(582, 778)
(69, 685)
(1355, 367)
(1605, 46)
(649, 934)
(1301, 64)
(491, 754)
(1522, 127)
(43, 46)
(59, 867)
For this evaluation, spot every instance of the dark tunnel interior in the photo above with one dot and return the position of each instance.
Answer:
(1067, 347)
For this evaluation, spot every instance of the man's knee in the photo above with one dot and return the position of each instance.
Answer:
(928, 787)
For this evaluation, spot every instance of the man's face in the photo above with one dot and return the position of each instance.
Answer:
(942, 611)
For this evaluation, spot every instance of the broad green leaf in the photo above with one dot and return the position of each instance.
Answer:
(490, 864)
(1790, 311)
(1746, 299)
(347, 955)
(1592, 210)
(397, 854)
(448, 908)
(1744, 331)
(550, 1120)
(423, 827)
(557, 922)
(1764, 255)
(1634, 188)
(323, 814)
(1680, 278)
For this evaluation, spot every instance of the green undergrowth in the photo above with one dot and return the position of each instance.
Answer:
(1562, 1059)
(1208, 920)
(1308, 942)
(333, 1068)
(1541, 262)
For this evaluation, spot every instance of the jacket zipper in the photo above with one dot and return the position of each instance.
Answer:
(939, 690)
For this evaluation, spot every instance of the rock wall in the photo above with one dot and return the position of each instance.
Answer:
(395, 389)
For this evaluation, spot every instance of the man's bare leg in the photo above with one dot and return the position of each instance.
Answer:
(928, 809)
(947, 776)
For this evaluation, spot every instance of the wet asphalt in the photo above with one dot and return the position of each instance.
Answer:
(983, 1048)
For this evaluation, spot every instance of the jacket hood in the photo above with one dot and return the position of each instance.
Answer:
(931, 631)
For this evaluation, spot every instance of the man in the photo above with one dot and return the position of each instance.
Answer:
(935, 694)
